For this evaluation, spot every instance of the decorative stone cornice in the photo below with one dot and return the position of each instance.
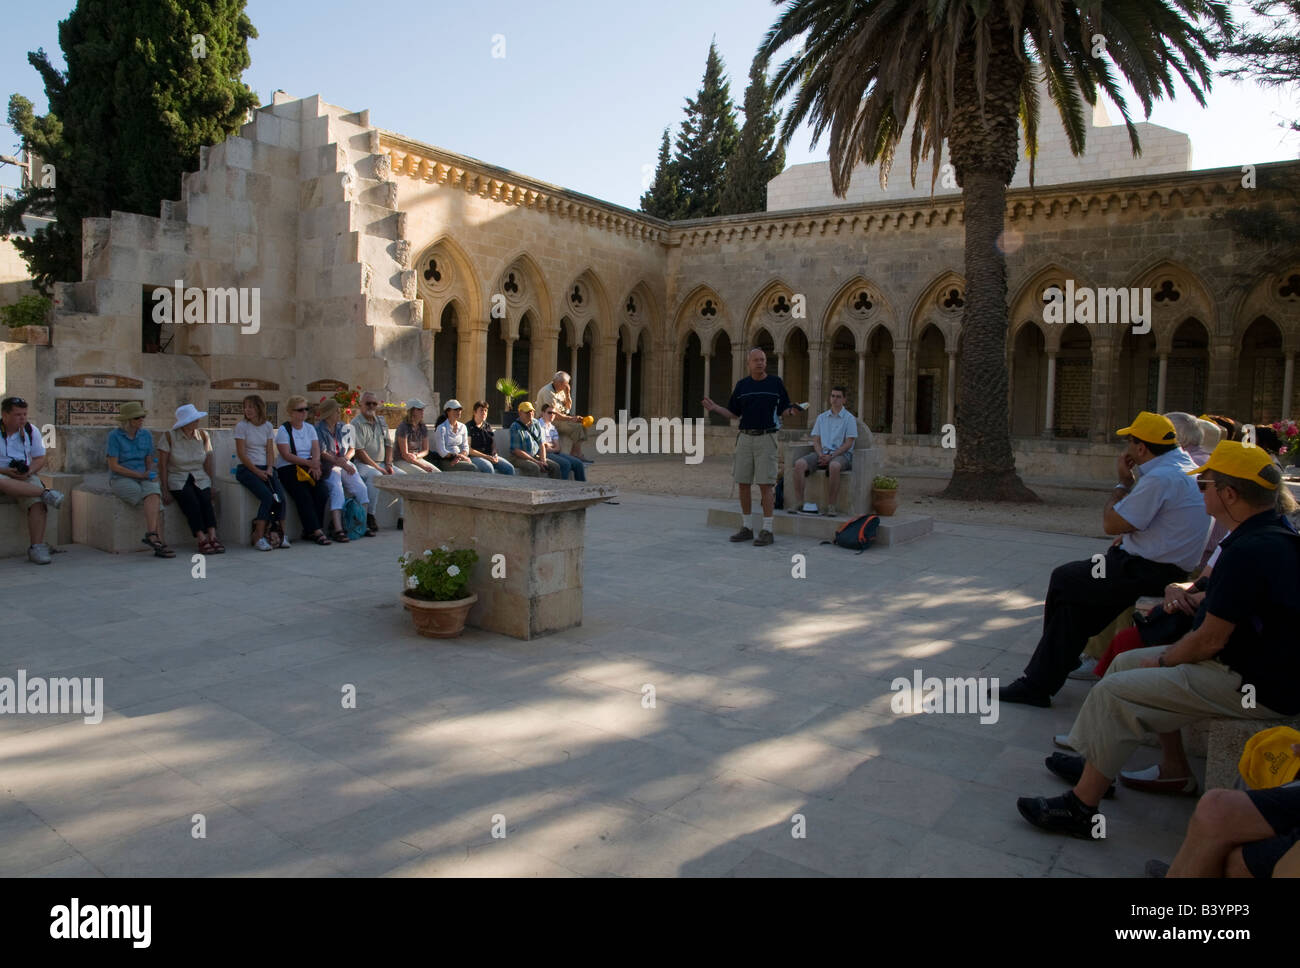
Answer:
(414, 159)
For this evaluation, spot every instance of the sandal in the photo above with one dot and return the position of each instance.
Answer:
(217, 547)
(319, 538)
(205, 546)
(159, 549)
(340, 536)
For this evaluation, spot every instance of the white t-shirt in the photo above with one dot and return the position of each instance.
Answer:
(17, 447)
(302, 441)
(256, 441)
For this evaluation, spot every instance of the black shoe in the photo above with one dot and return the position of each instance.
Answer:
(1069, 767)
(1065, 814)
(1157, 868)
(1021, 691)
(744, 534)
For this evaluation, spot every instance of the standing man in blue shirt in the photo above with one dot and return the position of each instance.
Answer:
(1162, 526)
(757, 400)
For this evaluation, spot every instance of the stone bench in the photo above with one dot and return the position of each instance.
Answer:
(237, 508)
(855, 485)
(102, 520)
(14, 538)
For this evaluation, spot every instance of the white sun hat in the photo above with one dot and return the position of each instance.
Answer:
(187, 414)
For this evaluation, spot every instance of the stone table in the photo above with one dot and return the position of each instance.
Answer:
(537, 524)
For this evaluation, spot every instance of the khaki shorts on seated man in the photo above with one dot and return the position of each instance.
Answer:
(833, 436)
(559, 395)
(22, 455)
(1239, 660)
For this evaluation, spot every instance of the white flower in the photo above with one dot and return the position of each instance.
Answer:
(453, 570)
(412, 583)
(428, 553)
(445, 548)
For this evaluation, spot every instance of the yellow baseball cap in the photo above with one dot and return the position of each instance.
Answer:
(1235, 459)
(1151, 428)
(1268, 760)
(525, 407)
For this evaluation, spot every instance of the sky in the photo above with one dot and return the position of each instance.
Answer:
(583, 91)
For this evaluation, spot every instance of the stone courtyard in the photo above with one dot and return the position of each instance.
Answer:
(771, 712)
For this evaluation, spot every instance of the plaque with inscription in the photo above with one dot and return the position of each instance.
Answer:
(88, 413)
(326, 386)
(223, 414)
(244, 385)
(100, 381)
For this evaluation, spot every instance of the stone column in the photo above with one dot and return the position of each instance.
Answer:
(862, 387)
(510, 360)
(1221, 390)
(541, 362)
(816, 378)
(780, 365)
(952, 384)
(1161, 381)
(1049, 418)
(604, 361)
(471, 367)
(627, 383)
(1103, 409)
(902, 376)
(573, 374)
(1288, 386)
(708, 372)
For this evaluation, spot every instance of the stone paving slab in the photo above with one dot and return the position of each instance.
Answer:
(771, 702)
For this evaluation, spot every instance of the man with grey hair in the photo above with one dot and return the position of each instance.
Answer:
(374, 456)
(1190, 435)
(558, 395)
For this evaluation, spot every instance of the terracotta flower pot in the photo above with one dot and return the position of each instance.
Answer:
(439, 620)
(35, 335)
(884, 502)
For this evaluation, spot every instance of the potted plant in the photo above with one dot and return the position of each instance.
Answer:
(1289, 434)
(884, 495)
(27, 321)
(435, 593)
(511, 391)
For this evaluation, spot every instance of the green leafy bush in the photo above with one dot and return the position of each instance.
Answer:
(438, 576)
(885, 483)
(32, 310)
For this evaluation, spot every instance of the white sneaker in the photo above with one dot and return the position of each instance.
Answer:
(39, 554)
(262, 545)
(1087, 671)
(53, 498)
(284, 541)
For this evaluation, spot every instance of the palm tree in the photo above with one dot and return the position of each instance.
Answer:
(968, 70)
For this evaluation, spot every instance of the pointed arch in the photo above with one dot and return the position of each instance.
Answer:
(535, 297)
(443, 273)
(858, 316)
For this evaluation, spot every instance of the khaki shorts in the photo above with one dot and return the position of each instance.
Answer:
(131, 491)
(755, 460)
(571, 431)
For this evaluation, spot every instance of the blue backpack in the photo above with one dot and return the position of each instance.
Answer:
(857, 534)
(354, 519)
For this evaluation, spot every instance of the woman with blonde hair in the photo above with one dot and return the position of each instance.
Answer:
(337, 447)
(299, 467)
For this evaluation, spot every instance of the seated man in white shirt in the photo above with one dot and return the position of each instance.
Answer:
(22, 455)
(833, 436)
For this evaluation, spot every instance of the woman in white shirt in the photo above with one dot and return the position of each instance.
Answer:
(451, 443)
(185, 466)
(337, 448)
(256, 454)
(299, 468)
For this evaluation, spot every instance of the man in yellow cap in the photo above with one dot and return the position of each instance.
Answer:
(1240, 660)
(1161, 527)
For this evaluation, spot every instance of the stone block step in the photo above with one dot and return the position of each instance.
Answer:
(894, 530)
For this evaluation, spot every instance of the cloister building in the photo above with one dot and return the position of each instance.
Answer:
(404, 267)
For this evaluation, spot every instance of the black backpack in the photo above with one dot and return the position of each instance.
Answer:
(857, 534)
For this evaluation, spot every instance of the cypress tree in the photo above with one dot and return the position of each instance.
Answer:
(664, 197)
(758, 158)
(706, 142)
(148, 83)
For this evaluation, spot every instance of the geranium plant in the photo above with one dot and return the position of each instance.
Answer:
(438, 575)
(1289, 434)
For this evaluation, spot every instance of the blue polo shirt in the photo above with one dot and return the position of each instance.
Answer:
(529, 439)
(1168, 511)
(130, 451)
(832, 431)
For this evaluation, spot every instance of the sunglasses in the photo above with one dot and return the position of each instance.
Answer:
(14, 402)
(371, 403)
(300, 409)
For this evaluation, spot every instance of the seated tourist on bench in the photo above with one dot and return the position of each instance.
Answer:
(1242, 644)
(185, 465)
(451, 442)
(1161, 522)
(551, 437)
(412, 437)
(299, 448)
(257, 455)
(22, 455)
(131, 473)
(834, 434)
(1240, 833)
(483, 443)
(374, 453)
(340, 473)
(527, 448)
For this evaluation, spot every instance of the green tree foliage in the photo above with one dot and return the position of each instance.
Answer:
(148, 83)
(664, 198)
(706, 142)
(759, 156)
